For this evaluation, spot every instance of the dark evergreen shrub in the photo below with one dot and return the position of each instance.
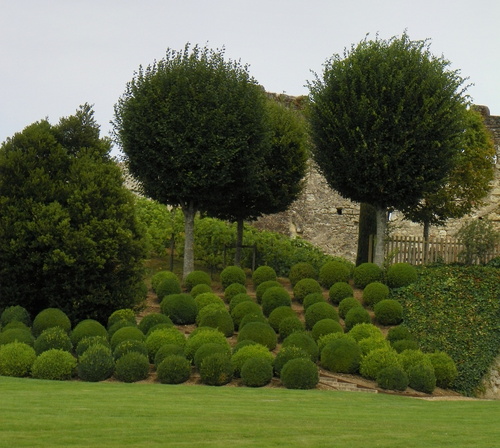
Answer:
(401, 274)
(174, 369)
(160, 276)
(376, 360)
(310, 299)
(15, 313)
(242, 309)
(339, 291)
(356, 315)
(196, 278)
(278, 314)
(388, 312)
(300, 373)
(445, 369)
(365, 330)
(259, 332)
(124, 334)
(200, 289)
(392, 378)
(219, 319)
(16, 359)
(333, 272)
(263, 287)
(342, 355)
(232, 274)
(48, 318)
(422, 378)
(150, 320)
(196, 340)
(273, 298)
(208, 298)
(325, 326)
(249, 351)
(256, 372)
(53, 337)
(209, 349)
(303, 341)
(233, 290)
(285, 355)
(397, 333)
(237, 299)
(375, 292)
(263, 274)
(304, 287)
(87, 327)
(301, 270)
(167, 287)
(122, 314)
(347, 304)
(405, 344)
(167, 350)
(87, 341)
(252, 317)
(15, 324)
(366, 273)
(290, 325)
(494, 263)
(96, 364)
(209, 309)
(16, 335)
(319, 311)
(216, 370)
(181, 308)
(161, 337)
(54, 364)
(131, 367)
(118, 325)
(130, 345)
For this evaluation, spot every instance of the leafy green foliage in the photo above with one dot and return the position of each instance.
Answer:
(237, 299)
(216, 369)
(300, 373)
(126, 333)
(290, 325)
(174, 369)
(209, 349)
(196, 278)
(88, 341)
(304, 287)
(208, 298)
(96, 364)
(219, 319)
(301, 270)
(242, 309)
(163, 336)
(388, 312)
(200, 289)
(311, 299)
(15, 313)
(131, 367)
(50, 317)
(16, 359)
(393, 378)
(181, 308)
(118, 325)
(365, 330)
(366, 273)
(339, 291)
(273, 298)
(256, 372)
(377, 360)
(304, 341)
(167, 287)
(422, 378)
(232, 274)
(16, 334)
(325, 326)
(259, 332)
(262, 274)
(54, 364)
(401, 274)
(333, 272)
(444, 369)
(375, 292)
(278, 314)
(263, 287)
(232, 290)
(249, 351)
(342, 355)
(166, 350)
(152, 319)
(130, 345)
(87, 327)
(346, 305)
(355, 316)
(319, 311)
(53, 338)
(285, 355)
(123, 314)
(206, 335)
(479, 238)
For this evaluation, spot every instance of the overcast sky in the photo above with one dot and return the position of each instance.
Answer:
(58, 54)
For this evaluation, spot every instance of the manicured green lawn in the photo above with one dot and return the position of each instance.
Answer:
(37, 413)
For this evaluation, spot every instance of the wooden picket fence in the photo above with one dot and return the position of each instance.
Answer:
(413, 250)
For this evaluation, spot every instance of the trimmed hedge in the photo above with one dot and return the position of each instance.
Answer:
(199, 289)
(232, 274)
(366, 273)
(167, 287)
(304, 287)
(275, 297)
(333, 272)
(48, 318)
(204, 336)
(54, 364)
(124, 334)
(300, 373)
(166, 350)
(152, 319)
(365, 330)
(219, 319)
(311, 299)
(375, 292)
(87, 327)
(16, 335)
(161, 275)
(301, 270)
(87, 341)
(130, 345)
(325, 326)
(53, 338)
(237, 299)
(392, 378)
(15, 313)
(131, 367)
(339, 291)
(285, 355)
(252, 317)
(278, 314)
(319, 311)
(242, 309)
(401, 274)
(342, 355)
(216, 370)
(163, 336)
(181, 308)
(208, 349)
(388, 312)
(249, 351)
(263, 287)
(259, 332)
(290, 325)
(197, 278)
(256, 372)
(303, 341)
(347, 304)
(16, 359)
(445, 369)
(355, 316)
(422, 378)
(174, 369)
(263, 274)
(233, 290)
(96, 364)
(377, 360)
(122, 314)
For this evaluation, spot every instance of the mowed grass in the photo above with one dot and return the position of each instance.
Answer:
(35, 413)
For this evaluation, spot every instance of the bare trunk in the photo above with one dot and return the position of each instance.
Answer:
(427, 229)
(378, 256)
(189, 214)
(239, 242)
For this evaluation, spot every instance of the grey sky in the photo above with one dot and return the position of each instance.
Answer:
(58, 54)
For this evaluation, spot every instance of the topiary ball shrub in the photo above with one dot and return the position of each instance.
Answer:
(325, 326)
(301, 270)
(163, 336)
(200, 289)
(365, 330)
(53, 337)
(167, 350)
(124, 334)
(119, 325)
(445, 369)
(346, 305)
(285, 355)
(150, 320)
(342, 355)
(167, 287)
(87, 341)
(388, 312)
(87, 327)
(237, 299)
(209, 309)
(15, 324)
(374, 293)
(256, 372)
(174, 369)
(96, 364)
(303, 341)
(252, 317)
(290, 325)
(273, 298)
(130, 345)
(300, 373)
(208, 298)
(160, 276)
(242, 309)
(123, 314)
(54, 364)
(366, 273)
(263, 287)
(15, 313)
(249, 351)
(393, 378)
(377, 360)
(356, 315)
(405, 344)
(233, 290)
(339, 291)
(209, 349)
(181, 308)
(263, 274)
(216, 370)
(324, 340)
(131, 367)
(232, 274)
(278, 314)
(411, 358)
(204, 336)
(259, 332)
(319, 311)
(372, 343)
(17, 335)
(333, 272)
(304, 287)
(398, 333)
(48, 318)
(422, 378)
(401, 274)
(16, 359)
(242, 344)
(196, 278)
(310, 299)
(219, 319)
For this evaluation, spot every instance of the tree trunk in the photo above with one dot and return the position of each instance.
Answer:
(189, 211)
(427, 229)
(367, 227)
(378, 256)
(239, 242)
